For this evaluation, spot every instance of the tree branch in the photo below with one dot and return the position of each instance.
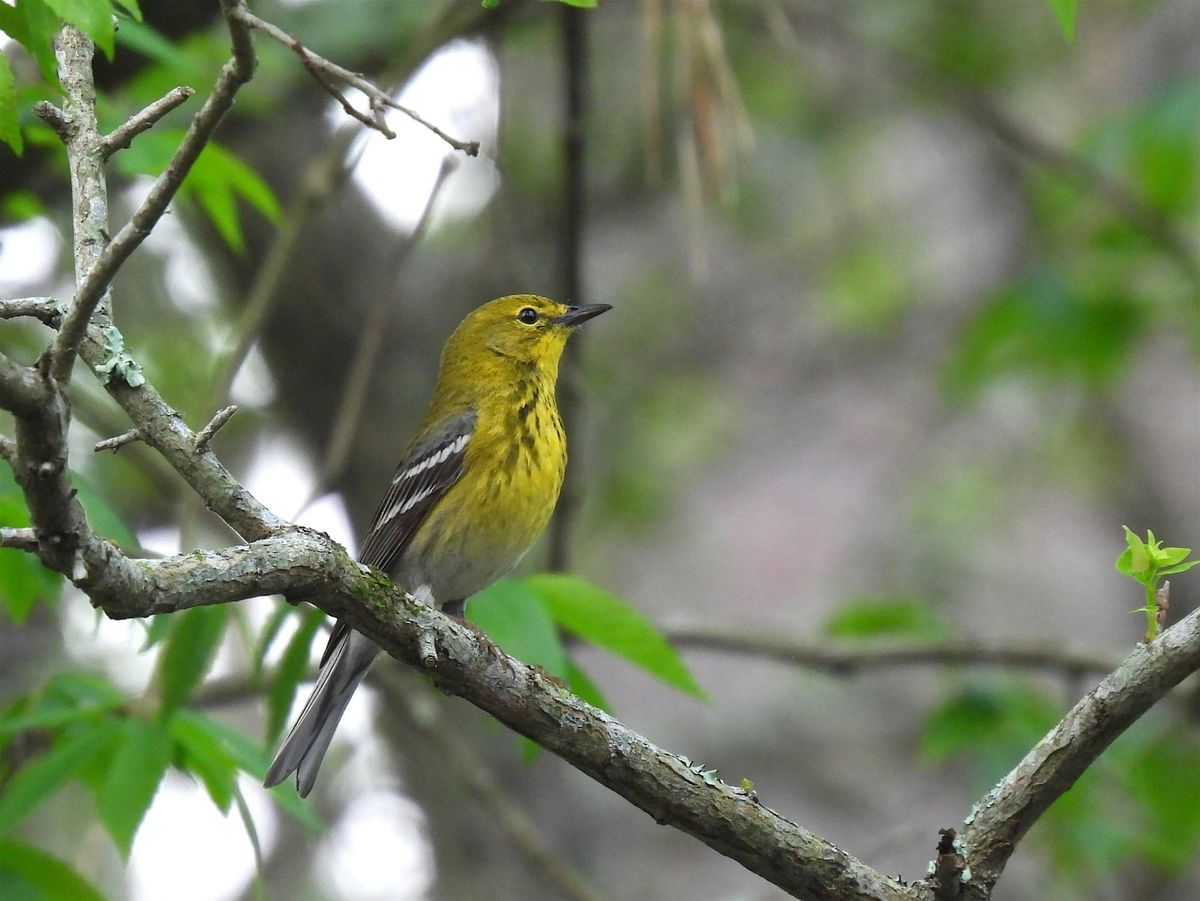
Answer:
(318, 66)
(45, 309)
(1005, 814)
(122, 136)
(95, 271)
(304, 564)
(21, 539)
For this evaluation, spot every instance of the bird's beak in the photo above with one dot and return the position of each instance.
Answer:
(582, 313)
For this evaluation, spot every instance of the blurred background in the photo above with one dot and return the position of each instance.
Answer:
(904, 331)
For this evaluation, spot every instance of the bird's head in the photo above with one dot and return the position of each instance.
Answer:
(523, 327)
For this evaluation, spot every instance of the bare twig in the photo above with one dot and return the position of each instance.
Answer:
(54, 117)
(21, 539)
(117, 442)
(315, 63)
(375, 120)
(842, 658)
(122, 136)
(45, 309)
(215, 425)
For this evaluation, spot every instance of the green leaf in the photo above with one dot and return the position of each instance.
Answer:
(93, 17)
(1136, 559)
(133, 777)
(205, 756)
(23, 579)
(47, 878)
(254, 760)
(217, 179)
(1169, 556)
(131, 7)
(52, 711)
(43, 776)
(101, 516)
(1065, 11)
(270, 631)
(10, 122)
(37, 29)
(292, 669)
(993, 724)
(190, 648)
(1178, 568)
(157, 627)
(516, 619)
(872, 617)
(581, 4)
(24, 582)
(145, 40)
(608, 622)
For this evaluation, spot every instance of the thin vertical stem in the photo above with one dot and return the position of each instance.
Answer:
(573, 30)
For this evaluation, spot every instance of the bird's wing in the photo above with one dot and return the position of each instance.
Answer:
(433, 465)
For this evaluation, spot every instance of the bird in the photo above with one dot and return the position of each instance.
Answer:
(475, 487)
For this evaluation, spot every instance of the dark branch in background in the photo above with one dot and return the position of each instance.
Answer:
(840, 658)
(318, 66)
(122, 136)
(573, 30)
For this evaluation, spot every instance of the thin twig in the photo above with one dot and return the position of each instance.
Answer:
(843, 658)
(374, 120)
(122, 136)
(316, 61)
(117, 442)
(215, 425)
(55, 118)
(21, 539)
(45, 309)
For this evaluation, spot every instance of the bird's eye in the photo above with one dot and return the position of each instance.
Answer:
(528, 315)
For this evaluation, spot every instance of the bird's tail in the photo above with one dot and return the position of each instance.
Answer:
(305, 746)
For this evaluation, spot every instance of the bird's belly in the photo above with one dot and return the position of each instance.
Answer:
(461, 551)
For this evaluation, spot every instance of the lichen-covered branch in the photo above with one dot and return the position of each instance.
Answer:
(307, 565)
